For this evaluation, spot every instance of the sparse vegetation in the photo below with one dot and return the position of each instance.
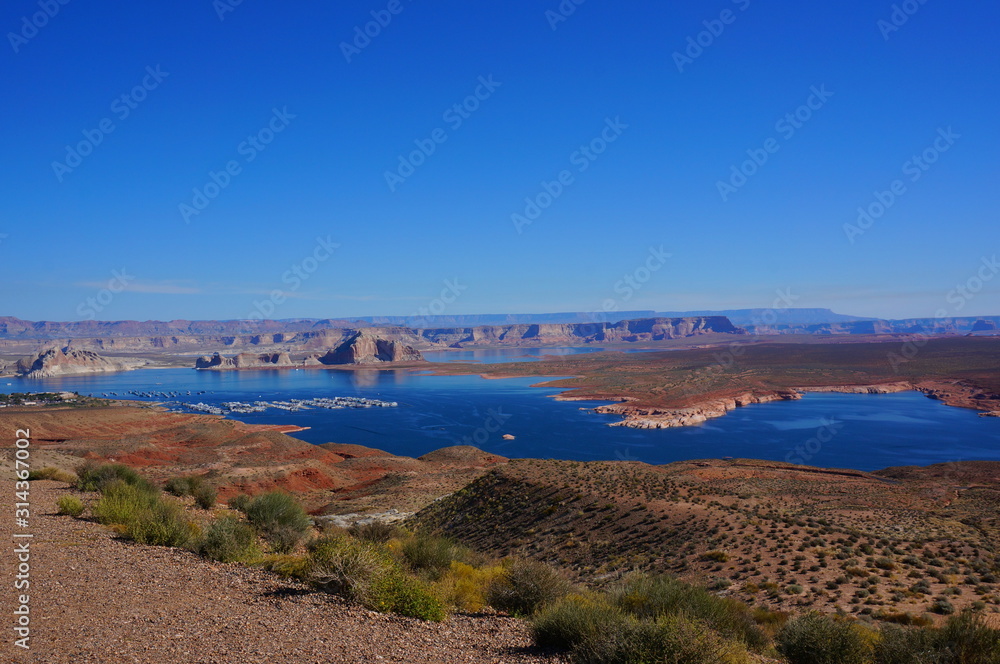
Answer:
(524, 586)
(279, 518)
(50, 473)
(70, 505)
(229, 539)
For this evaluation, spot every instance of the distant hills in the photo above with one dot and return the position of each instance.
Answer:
(755, 321)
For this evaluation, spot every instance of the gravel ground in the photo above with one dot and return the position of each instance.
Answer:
(97, 599)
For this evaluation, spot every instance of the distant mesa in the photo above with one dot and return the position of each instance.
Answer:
(365, 347)
(69, 361)
(243, 361)
(362, 348)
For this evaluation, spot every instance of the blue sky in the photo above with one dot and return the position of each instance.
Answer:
(308, 224)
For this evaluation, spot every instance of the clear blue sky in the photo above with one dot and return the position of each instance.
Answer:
(656, 184)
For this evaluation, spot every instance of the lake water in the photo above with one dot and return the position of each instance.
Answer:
(866, 432)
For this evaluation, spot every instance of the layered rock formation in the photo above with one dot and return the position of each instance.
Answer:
(243, 361)
(636, 417)
(367, 348)
(643, 329)
(71, 361)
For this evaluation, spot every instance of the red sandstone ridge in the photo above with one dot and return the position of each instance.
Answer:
(241, 458)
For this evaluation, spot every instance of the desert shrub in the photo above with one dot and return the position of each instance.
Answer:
(405, 595)
(970, 640)
(239, 502)
(464, 586)
(120, 503)
(92, 476)
(50, 473)
(205, 496)
(374, 531)
(651, 597)
(365, 572)
(288, 565)
(817, 639)
(674, 638)
(279, 518)
(229, 540)
(70, 505)
(348, 567)
(184, 486)
(906, 645)
(433, 556)
(163, 523)
(141, 514)
(715, 556)
(575, 619)
(942, 606)
(524, 586)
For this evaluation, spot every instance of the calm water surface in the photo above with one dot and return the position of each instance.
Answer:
(867, 432)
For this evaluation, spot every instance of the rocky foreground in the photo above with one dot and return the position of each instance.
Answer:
(97, 599)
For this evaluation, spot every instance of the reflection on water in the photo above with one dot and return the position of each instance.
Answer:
(872, 431)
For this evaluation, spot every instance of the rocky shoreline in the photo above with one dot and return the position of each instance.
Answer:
(635, 416)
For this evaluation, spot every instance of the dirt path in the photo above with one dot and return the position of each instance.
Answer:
(97, 599)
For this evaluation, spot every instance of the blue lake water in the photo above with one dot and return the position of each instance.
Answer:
(866, 432)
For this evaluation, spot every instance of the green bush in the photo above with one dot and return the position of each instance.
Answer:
(205, 496)
(240, 502)
(230, 540)
(50, 473)
(141, 514)
(970, 640)
(651, 597)
(92, 476)
(676, 638)
(161, 524)
(526, 586)
(347, 567)
(378, 532)
(279, 518)
(70, 505)
(406, 596)
(575, 619)
(367, 573)
(120, 503)
(817, 639)
(183, 486)
(433, 555)
(906, 645)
